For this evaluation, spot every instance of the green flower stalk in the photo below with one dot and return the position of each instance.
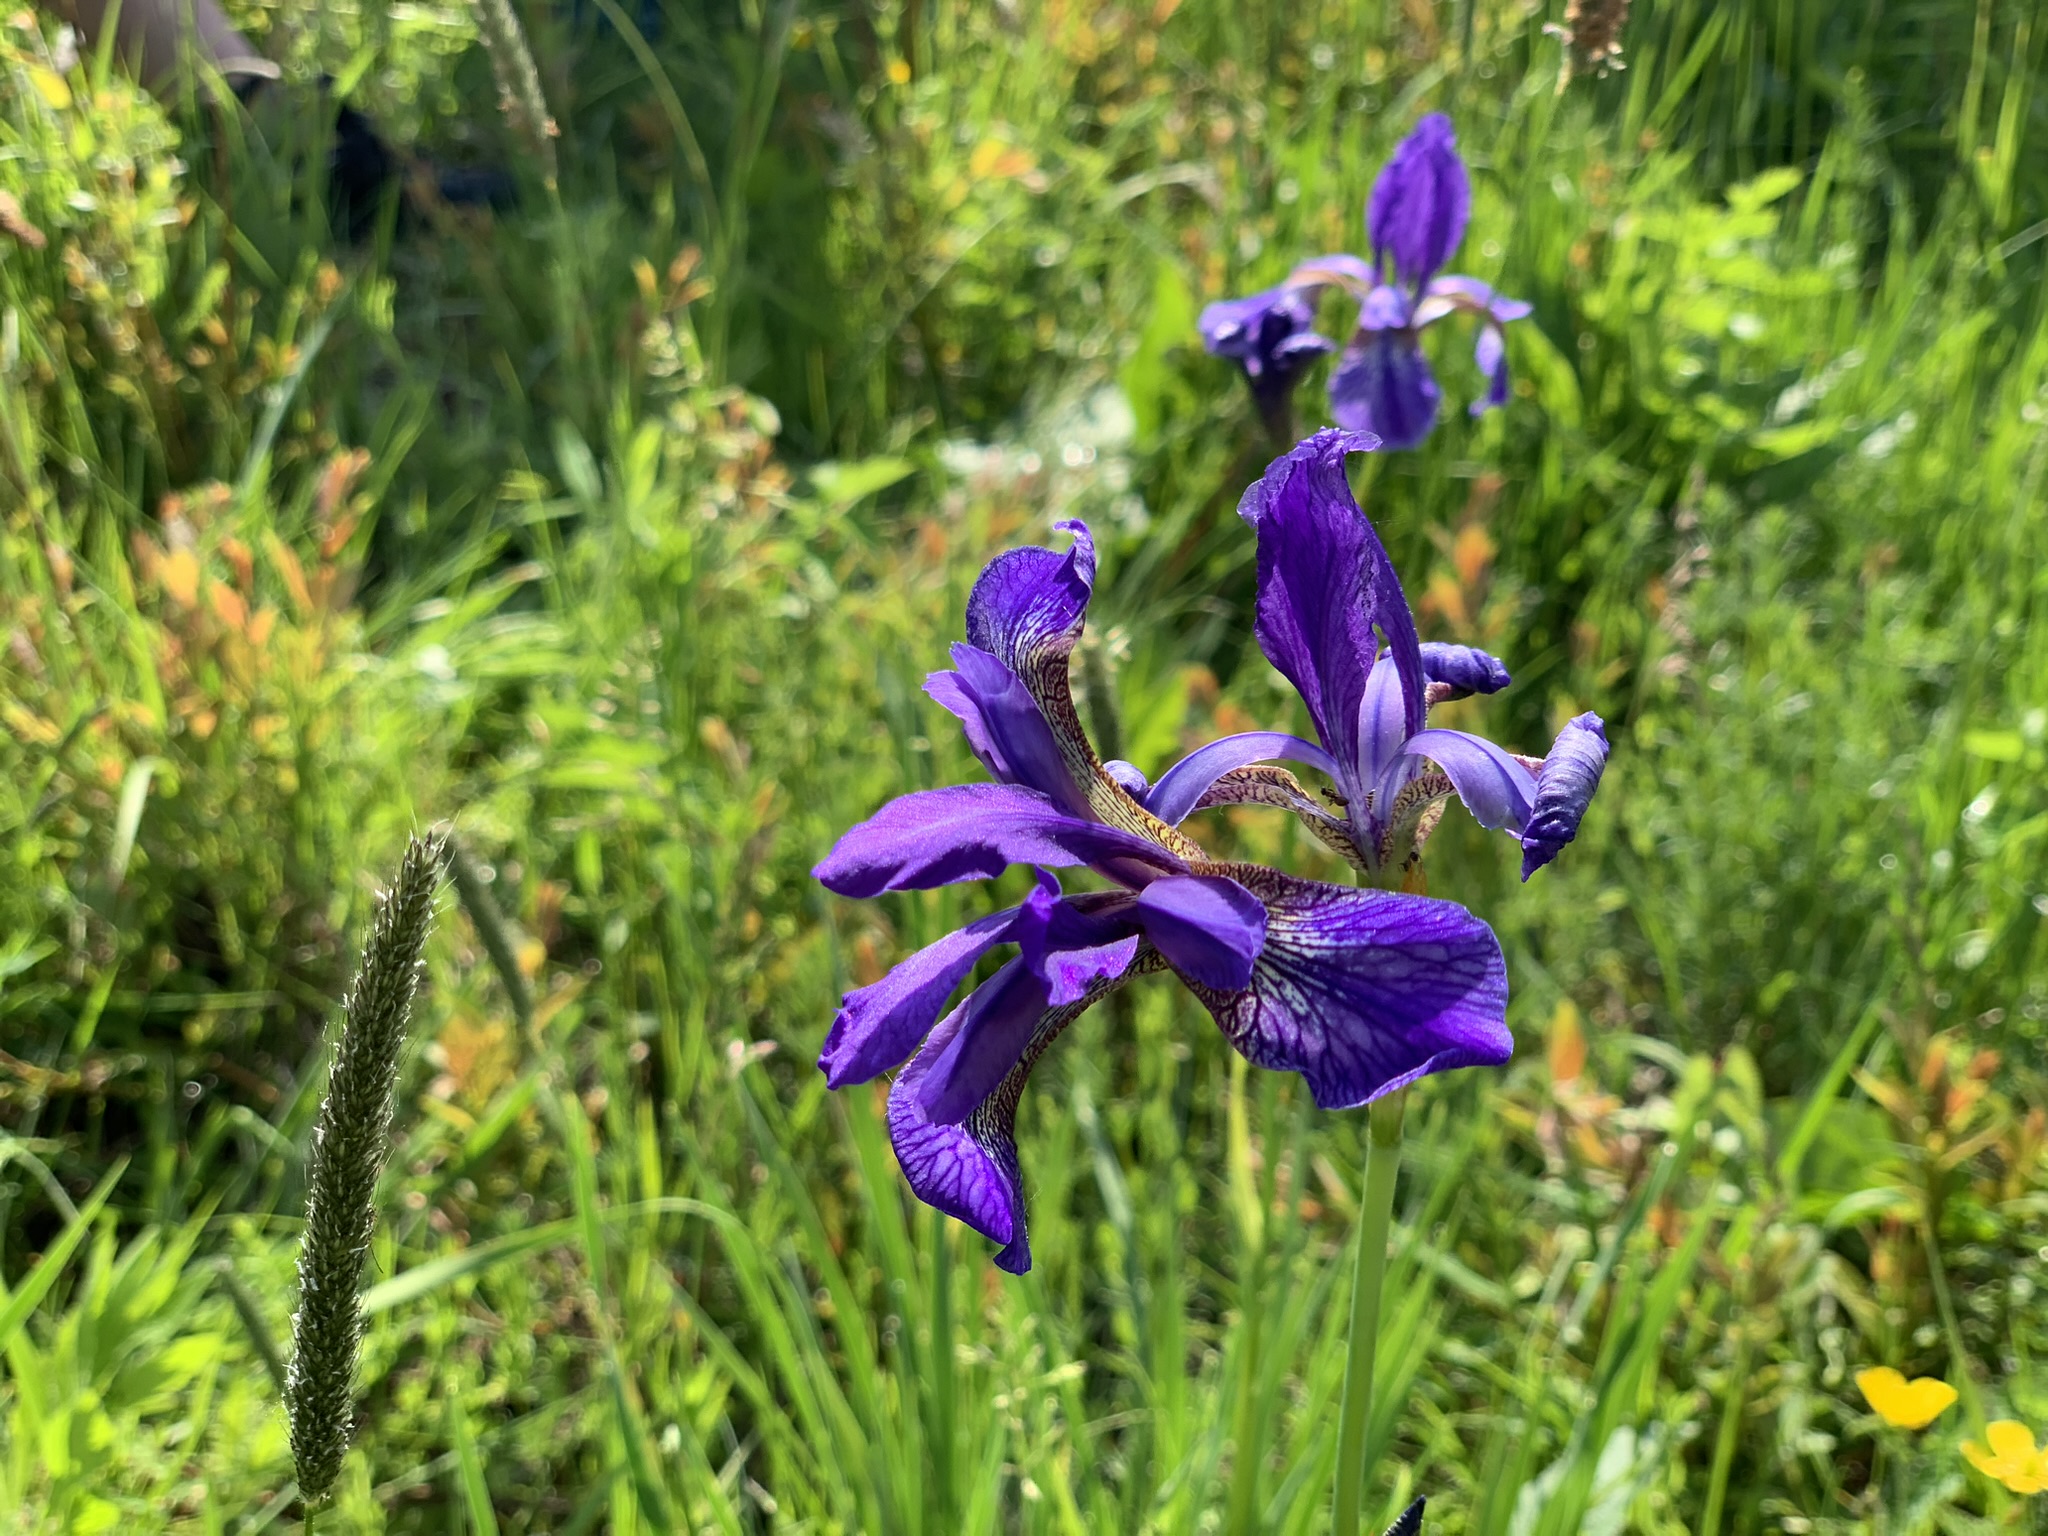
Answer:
(350, 1141)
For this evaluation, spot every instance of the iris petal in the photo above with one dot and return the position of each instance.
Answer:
(880, 1024)
(1209, 927)
(1029, 604)
(1066, 950)
(1490, 352)
(994, 1025)
(1182, 786)
(1382, 720)
(1004, 726)
(1564, 788)
(1420, 201)
(1463, 669)
(969, 1169)
(972, 832)
(1383, 385)
(1363, 991)
(1324, 584)
(1496, 789)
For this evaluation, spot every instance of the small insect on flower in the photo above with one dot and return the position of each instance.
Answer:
(1360, 991)
(1901, 1403)
(2012, 1460)
(1328, 599)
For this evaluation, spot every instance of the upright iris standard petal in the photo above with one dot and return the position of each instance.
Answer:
(1420, 202)
(1462, 669)
(1364, 991)
(1029, 604)
(1004, 726)
(973, 832)
(1496, 788)
(1324, 584)
(1384, 385)
(1209, 928)
(1181, 787)
(1382, 720)
(1564, 788)
(879, 1025)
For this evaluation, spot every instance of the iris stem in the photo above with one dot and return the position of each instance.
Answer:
(1375, 1218)
(942, 1436)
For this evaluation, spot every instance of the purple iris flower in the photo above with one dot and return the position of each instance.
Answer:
(1414, 221)
(1332, 617)
(1272, 336)
(1360, 991)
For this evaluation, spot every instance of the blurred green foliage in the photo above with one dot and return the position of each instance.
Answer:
(621, 530)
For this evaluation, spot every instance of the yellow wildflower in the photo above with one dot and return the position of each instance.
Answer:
(1905, 1404)
(2013, 1458)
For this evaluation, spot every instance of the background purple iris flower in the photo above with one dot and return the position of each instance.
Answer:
(1272, 336)
(1359, 991)
(1383, 383)
(1333, 619)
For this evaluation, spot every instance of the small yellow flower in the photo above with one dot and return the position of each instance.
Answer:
(1905, 1404)
(899, 72)
(2013, 1459)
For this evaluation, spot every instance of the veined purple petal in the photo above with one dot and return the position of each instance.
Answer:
(1209, 927)
(1420, 202)
(972, 832)
(1068, 952)
(1005, 727)
(1324, 583)
(1564, 788)
(1496, 789)
(1182, 786)
(1383, 385)
(880, 1024)
(1364, 991)
(1030, 604)
(968, 1171)
(1463, 669)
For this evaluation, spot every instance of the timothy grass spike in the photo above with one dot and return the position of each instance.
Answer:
(350, 1141)
(519, 93)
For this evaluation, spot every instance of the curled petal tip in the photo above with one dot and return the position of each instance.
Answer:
(1464, 668)
(1564, 789)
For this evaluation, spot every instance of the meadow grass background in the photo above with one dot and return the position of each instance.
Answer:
(620, 529)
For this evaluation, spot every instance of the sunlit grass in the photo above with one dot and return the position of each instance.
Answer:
(1770, 496)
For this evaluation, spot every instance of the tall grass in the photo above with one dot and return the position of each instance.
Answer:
(622, 530)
